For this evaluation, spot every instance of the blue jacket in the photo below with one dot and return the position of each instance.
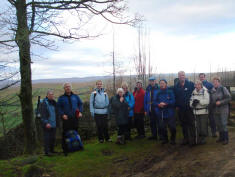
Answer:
(167, 96)
(129, 98)
(67, 105)
(183, 94)
(99, 102)
(49, 112)
(147, 98)
(207, 84)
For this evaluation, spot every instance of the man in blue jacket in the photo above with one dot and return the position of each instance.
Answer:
(164, 103)
(183, 91)
(70, 110)
(209, 86)
(149, 108)
(49, 115)
(99, 103)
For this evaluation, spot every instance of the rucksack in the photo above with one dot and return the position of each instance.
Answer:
(73, 141)
(38, 110)
(105, 94)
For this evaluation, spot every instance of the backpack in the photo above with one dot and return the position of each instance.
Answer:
(38, 110)
(73, 141)
(95, 96)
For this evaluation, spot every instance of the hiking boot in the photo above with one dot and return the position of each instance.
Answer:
(172, 142)
(164, 141)
(225, 142)
(109, 140)
(49, 154)
(152, 138)
(225, 138)
(184, 142)
(129, 138)
(214, 135)
(221, 137)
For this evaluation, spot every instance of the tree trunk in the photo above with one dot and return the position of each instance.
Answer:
(22, 40)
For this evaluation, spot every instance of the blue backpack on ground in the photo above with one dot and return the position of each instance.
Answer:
(73, 141)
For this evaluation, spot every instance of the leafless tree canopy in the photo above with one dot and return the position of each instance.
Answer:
(54, 18)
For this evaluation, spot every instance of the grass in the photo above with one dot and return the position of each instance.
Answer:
(107, 159)
(96, 160)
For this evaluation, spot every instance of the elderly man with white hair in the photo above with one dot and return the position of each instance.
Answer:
(120, 108)
(69, 109)
(183, 90)
(199, 103)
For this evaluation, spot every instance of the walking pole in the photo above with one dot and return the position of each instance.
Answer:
(195, 124)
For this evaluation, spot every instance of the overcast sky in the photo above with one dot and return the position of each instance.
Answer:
(189, 35)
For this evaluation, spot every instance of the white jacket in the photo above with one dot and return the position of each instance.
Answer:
(204, 99)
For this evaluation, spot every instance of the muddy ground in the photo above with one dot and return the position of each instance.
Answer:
(210, 160)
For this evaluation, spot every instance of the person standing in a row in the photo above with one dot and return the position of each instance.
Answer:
(99, 103)
(199, 103)
(49, 119)
(70, 110)
(183, 90)
(220, 98)
(129, 98)
(164, 102)
(209, 86)
(149, 108)
(120, 107)
(139, 109)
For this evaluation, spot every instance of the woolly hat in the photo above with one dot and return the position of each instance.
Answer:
(152, 78)
(163, 80)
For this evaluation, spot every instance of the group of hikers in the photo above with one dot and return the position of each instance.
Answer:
(197, 104)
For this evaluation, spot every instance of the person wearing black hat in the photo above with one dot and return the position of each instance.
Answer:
(149, 110)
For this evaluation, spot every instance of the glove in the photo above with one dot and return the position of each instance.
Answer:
(77, 113)
(195, 102)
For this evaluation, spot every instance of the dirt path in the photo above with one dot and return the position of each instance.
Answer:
(210, 160)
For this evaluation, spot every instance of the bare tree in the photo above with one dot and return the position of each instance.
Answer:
(140, 61)
(40, 22)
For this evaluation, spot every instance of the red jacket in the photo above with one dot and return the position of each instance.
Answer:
(139, 101)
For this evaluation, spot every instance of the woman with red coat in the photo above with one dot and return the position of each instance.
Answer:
(139, 109)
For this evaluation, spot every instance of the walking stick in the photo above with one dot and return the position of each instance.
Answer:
(195, 124)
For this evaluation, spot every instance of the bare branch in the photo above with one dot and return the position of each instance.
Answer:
(70, 36)
(32, 18)
(9, 85)
(12, 2)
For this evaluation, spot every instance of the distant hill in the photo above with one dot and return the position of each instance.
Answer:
(72, 80)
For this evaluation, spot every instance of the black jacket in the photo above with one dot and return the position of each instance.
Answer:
(120, 110)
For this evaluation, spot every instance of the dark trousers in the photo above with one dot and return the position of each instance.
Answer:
(188, 125)
(70, 124)
(212, 122)
(49, 139)
(154, 124)
(139, 123)
(168, 122)
(123, 130)
(102, 126)
(129, 127)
